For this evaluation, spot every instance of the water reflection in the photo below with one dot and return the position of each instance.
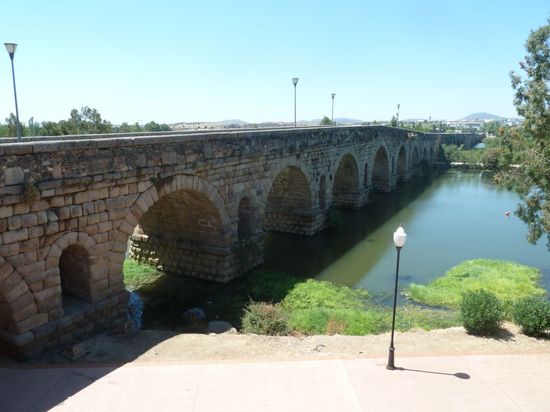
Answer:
(450, 218)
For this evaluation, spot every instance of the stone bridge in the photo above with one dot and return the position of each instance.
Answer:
(195, 204)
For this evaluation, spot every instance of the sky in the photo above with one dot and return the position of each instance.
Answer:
(184, 61)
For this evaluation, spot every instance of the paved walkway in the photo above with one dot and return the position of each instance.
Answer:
(445, 383)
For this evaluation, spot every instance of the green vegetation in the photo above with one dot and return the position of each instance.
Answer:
(138, 274)
(325, 121)
(276, 303)
(533, 315)
(528, 146)
(481, 311)
(507, 280)
(265, 319)
(86, 121)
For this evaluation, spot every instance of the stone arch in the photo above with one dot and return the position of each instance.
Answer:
(415, 156)
(181, 225)
(346, 189)
(381, 171)
(402, 164)
(17, 302)
(74, 261)
(290, 205)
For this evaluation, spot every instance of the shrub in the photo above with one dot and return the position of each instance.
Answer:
(481, 311)
(533, 315)
(264, 319)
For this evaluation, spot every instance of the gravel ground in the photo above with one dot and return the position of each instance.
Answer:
(164, 346)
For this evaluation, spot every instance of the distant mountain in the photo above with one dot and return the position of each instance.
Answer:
(482, 116)
(338, 120)
(233, 121)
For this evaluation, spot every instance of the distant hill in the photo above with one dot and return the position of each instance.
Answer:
(337, 120)
(233, 121)
(482, 116)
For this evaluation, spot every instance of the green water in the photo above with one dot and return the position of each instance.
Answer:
(448, 219)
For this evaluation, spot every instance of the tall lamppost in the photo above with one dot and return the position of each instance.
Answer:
(10, 47)
(332, 95)
(295, 82)
(399, 238)
(397, 119)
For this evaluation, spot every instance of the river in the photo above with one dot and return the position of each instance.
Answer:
(450, 218)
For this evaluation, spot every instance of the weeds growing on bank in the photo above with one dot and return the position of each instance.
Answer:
(509, 281)
(276, 303)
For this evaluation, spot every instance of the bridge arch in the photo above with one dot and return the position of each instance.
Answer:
(346, 189)
(181, 224)
(381, 170)
(15, 299)
(402, 169)
(289, 204)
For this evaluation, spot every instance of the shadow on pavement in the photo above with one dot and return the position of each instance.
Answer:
(459, 375)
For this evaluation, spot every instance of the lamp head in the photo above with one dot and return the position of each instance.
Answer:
(10, 47)
(295, 80)
(399, 237)
(332, 95)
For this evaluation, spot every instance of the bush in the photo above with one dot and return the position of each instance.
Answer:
(533, 315)
(481, 311)
(264, 319)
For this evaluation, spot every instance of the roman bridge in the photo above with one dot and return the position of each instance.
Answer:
(195, 204)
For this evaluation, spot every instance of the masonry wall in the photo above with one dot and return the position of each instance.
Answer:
(184, 191)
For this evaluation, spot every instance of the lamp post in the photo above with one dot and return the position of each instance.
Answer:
(295, 82)
(332, 119)
(399, 238)
(10, 47)
(397, 118)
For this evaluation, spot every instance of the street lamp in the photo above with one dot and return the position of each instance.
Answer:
(397, 119)
(332, 95)
(10, 47)
(399, 238)
(295, 82)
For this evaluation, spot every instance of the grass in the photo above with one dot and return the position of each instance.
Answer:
(307, 306)
(139, 274)
(509, 281)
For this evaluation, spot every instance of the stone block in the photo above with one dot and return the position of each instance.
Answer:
(29, 219)
(21, 208)
(25, 299)
(6, 211)
(40, 205)
(14, 222)
(18, 340)
(25, 313)
(14, 176)
(31, 323)
(15, 236)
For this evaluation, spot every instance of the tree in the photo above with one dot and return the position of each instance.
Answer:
(529, 145)
(325, 121)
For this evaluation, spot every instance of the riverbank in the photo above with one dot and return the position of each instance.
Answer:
(155, 346)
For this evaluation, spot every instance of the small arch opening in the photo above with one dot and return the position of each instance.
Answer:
(74, 271)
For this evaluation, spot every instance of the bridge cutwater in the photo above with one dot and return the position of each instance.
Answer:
(195, 204)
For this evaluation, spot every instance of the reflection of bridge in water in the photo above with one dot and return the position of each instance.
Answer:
(196, 204)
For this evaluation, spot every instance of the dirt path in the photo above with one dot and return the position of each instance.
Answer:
(165, 346)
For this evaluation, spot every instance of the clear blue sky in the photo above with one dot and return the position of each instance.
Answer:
(173, 61)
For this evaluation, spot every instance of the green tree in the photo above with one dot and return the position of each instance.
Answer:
(529, 146)
(325, 121)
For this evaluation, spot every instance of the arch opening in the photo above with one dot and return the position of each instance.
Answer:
(381, 171)
(402, 164)
(289, 206)
(74, 272)
(182, 233)
(346, 190)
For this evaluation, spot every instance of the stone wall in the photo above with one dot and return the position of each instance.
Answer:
(69, 208)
